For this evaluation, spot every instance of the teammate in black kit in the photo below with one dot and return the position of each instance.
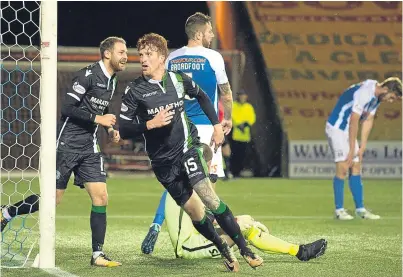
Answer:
(84, 108)
(152, 105)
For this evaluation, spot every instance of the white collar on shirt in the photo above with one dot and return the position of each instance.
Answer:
(101, 63)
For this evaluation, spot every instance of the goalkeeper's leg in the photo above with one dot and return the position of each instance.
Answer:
(147, 247)
(26, 206)
(270, 244)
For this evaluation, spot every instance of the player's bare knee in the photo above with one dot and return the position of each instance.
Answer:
(194, 208)
(195, 211)
(98, 193)
(195, 215)
(356, 169)
(341, 170)
(100, 198)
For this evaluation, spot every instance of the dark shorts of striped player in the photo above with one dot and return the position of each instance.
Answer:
(87, 168)
(179, 175)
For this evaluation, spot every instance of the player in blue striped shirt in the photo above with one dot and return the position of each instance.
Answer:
(357, 104)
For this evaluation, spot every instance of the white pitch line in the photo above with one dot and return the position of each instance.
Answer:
(54, 271)
(256, 217)
(58, 272)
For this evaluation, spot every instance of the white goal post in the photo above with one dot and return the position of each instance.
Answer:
(48, 106)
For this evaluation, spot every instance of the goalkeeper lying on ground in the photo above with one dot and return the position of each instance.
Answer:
(189, 244)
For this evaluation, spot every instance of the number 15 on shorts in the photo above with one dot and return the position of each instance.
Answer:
(195, 169)
(190, 165)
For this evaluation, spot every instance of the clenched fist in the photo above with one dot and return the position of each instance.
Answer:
(163, 118)
(106, 120)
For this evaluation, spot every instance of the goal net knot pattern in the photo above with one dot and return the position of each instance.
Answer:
(20, 124)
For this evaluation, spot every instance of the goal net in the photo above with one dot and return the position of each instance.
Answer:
(22, 91)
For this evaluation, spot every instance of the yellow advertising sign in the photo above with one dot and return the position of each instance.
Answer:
(315, 50)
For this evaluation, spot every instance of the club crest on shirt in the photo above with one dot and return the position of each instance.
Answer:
(78, 88)
(180, 90)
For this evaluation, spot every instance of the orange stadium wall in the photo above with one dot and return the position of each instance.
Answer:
(314, 51)
(234, 31)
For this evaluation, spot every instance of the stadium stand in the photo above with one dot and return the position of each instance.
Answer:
(334, 45)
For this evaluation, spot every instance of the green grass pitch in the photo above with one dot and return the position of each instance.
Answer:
(299, 211)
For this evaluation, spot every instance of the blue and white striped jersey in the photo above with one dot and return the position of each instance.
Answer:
(206, 67)
(359, 98)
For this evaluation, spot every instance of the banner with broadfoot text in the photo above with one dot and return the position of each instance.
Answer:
(314, 159)
(315, 50)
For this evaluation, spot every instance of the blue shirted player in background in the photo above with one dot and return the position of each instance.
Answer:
(206, 67)
(358, 103)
